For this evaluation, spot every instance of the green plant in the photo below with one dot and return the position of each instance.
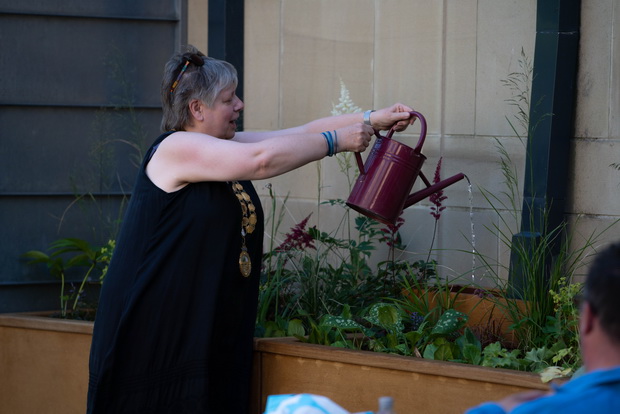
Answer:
(496, 356)
(324, 291)
(542, 275)
(545, 324)
(436, 199)
(384, 327)
(66, 255)
(314, 272)
(562, 328)
(553, 258)
(441, 334)
(543, 311)
(558, 352)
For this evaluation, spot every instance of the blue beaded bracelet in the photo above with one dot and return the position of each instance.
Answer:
(330, 142)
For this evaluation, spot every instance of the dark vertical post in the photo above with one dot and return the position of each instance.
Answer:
(551, 127)
(226, 31)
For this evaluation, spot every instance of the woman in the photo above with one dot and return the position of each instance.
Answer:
(177, 310)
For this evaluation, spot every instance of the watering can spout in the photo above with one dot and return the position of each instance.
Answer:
(431, 189)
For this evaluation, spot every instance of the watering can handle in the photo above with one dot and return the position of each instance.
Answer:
(419, 116)
(358, 156)
(417, 149)
(360, 163)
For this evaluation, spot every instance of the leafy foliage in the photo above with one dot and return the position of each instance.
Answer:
(333, 296)
(72, 253)
(546, 326)
(319, 273)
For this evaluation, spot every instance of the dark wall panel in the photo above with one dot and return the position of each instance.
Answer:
(82, 61)
(62, 150)
(144, 9)
(79, 103)
(36, 221)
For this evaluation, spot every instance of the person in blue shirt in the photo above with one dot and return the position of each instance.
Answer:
(598, 390)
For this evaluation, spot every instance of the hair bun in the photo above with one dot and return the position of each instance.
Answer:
(196, 59)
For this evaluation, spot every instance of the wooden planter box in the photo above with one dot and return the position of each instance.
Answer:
(43, 364)
(44, 369)
(356, 379)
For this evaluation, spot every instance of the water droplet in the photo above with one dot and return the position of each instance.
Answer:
(473, 231)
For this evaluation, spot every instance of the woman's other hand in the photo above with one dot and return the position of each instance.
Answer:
(354, 138)
(397, 114)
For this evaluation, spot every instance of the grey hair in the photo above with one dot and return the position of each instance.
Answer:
(204, 83)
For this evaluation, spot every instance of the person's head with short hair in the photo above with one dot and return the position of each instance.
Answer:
(601, 290)
(191, 75)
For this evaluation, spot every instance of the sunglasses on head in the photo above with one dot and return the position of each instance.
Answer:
(192, 58)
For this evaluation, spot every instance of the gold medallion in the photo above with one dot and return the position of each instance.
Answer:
(248, 224)
(245, 263)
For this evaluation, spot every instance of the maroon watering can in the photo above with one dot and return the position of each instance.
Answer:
(382, 190)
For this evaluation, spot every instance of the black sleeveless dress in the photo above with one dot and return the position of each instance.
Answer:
(175, 322)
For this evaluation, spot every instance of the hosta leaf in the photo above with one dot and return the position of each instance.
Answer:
(451, 321)
(340, 323)
(386, 316)
(444, 352)
(413, 337)
(296, 328)
(472, 354)
(429, 351)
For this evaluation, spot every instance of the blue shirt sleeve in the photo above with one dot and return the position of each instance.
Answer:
(486, 408)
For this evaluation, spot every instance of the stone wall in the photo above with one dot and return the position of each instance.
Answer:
(447, 59)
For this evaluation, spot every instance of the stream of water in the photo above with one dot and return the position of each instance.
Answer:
(473, 232)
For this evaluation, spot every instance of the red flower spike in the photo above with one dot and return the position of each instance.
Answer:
(298, 238)
(438, 197)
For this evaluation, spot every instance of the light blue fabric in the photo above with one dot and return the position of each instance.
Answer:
(596, 392)
(303, 404)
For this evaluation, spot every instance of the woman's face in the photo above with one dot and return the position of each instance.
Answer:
(220, 119)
